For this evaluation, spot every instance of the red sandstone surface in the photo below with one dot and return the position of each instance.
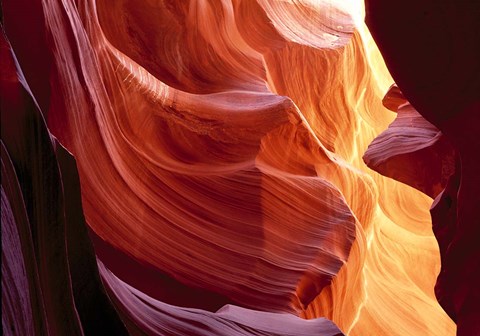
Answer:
(240, 167)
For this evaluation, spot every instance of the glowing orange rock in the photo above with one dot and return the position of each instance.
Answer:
(219, 146)
(439, 74)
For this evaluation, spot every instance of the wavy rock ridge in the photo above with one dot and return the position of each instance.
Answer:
(439, 74)
(219, 151)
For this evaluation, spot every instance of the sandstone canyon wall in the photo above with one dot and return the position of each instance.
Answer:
(200, 168)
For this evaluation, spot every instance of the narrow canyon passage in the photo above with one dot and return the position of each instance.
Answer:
(229, 167)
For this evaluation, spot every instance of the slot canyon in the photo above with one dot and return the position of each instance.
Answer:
(240, 167)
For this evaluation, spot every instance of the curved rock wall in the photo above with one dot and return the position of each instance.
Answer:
(220, 149)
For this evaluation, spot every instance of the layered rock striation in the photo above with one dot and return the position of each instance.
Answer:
(219, 172)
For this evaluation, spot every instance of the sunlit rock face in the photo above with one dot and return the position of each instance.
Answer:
(220, 149)
(433, 53)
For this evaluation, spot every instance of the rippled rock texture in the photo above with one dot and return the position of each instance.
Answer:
(433, 53)
(219, 173)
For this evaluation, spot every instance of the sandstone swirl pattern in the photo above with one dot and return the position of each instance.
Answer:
(219, 146)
